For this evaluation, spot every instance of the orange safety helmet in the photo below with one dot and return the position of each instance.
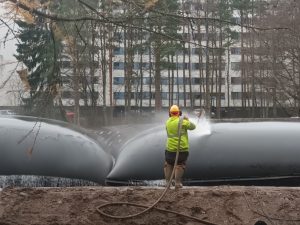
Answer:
(174, 110)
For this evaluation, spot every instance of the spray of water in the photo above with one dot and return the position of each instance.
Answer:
(203, 126)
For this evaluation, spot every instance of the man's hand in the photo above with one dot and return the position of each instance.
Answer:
(185, 118)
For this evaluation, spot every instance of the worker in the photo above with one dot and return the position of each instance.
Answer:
(172, 127)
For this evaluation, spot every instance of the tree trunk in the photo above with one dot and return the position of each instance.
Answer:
(207, 77)
(157, 76)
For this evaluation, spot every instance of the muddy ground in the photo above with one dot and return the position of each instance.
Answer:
(219, 205)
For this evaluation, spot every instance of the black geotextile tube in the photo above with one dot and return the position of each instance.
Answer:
(35, 146)
(245, 153)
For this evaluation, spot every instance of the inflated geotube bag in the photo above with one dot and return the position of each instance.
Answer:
(229, 152)
(34, 146)
(113, 138)
(251, 151)
(141, 158)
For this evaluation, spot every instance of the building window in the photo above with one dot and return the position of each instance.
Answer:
(181, 95)
(197, 95)
(235, 51)
(203, 81)
(195, 80)
(179, 80)
(175, 95)
(119, 95)
(147, 80)
(135, 80)
(131, 95)
(236, 95)
(164, 81)
(184, 51)
(236, 20)
(197, 51)
(164, 95)
(236, 80)
(152, 95)
(146, 66)
(215, 95)
(119, 51)
(119, 36)
(118, 80)
(187, 81)
(223, 81)
(181, 66)
(118, 65)
(136, 66)
(146, 95)
(236, 66)
(195, 66)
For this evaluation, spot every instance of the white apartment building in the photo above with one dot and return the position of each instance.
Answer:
(234, 78)
(187, 68)
(12, 88)
(190, 67)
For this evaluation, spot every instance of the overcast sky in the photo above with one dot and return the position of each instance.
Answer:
(9, 48)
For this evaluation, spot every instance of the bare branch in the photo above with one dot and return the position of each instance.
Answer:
(10, 29)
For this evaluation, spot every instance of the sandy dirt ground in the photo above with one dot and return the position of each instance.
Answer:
(226, 205)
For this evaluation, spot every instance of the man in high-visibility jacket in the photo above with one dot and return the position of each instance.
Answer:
(172, 127)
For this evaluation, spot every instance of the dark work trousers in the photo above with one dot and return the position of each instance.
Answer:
(171, 156)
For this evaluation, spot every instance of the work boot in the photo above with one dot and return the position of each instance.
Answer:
(179, 170)
(168, 172)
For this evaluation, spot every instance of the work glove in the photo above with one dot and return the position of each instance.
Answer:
(185, 118)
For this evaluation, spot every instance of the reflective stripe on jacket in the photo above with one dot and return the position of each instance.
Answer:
(172, 132)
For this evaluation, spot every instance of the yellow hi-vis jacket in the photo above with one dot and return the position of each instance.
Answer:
(172, 132)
